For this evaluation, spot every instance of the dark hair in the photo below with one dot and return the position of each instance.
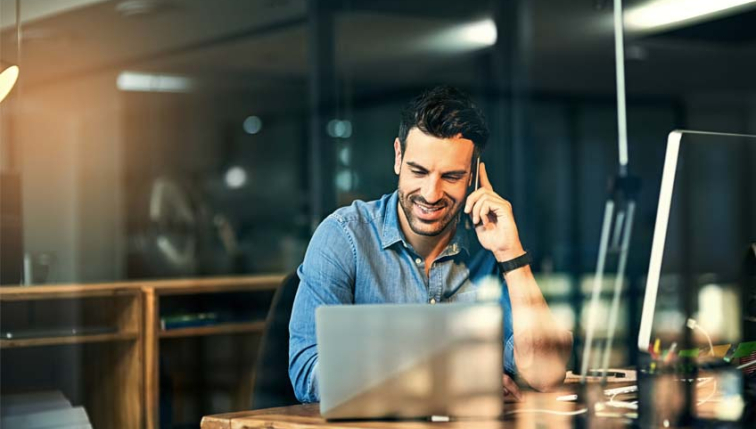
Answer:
(444, 112)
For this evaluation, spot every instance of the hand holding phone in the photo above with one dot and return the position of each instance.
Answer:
(493, 218)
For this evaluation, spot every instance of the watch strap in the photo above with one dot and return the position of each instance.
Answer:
(513, 264)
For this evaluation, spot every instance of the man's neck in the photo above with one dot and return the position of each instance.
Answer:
(428, 247)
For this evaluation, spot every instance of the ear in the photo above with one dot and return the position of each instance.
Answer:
(397, 156)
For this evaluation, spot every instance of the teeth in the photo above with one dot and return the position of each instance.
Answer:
(429, 209)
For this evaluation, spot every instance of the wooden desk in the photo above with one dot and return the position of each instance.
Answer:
(308, 417)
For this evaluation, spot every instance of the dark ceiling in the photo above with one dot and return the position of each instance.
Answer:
(565, 46)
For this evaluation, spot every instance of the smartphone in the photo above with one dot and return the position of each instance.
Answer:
(477, 173)
(474, 186)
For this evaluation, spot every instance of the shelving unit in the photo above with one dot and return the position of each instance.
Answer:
(101, 345)
(245, 299)
(227, 328)
(39, 327)
(73, 339)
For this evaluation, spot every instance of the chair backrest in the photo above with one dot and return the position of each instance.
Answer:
(272, 387)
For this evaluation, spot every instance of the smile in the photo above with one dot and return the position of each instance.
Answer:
(427, 209)
(426, 213)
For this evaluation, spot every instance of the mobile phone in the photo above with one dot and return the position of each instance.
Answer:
(477, 172)
(474, 186)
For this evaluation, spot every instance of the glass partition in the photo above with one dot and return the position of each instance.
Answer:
(193, 139)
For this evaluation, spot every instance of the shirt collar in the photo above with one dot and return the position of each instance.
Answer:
(392, 230)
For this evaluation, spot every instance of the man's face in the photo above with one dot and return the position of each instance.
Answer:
(434, 175)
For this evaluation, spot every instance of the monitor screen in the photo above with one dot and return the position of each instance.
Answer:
(705, 224)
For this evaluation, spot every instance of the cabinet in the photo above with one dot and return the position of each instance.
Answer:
(201, 343)
(102, 346)
(84, 340)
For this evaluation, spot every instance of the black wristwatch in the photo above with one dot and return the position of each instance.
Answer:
(515, 263)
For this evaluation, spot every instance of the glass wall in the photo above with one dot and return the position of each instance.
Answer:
(155, 139)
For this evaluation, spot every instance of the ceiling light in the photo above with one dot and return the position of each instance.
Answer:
(668, 13)
(252, 125)
(236, 177)
(463, 37)
(7, 79)
(145, 82)
(339, 128)
(481, 33)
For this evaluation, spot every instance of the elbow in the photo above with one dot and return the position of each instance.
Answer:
(304, 383)
(548, 382)
(547, 369)
(301, 396)
(299, 386)
(301, 392)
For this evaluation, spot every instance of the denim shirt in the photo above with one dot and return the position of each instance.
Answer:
(359, 255)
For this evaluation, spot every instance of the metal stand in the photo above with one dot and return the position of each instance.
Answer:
(622, 193)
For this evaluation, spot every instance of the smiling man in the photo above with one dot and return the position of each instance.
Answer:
(430, 241)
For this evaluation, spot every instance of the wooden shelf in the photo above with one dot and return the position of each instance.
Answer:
(71, 339)
(163, 287)
(210, 295)
(220, 329)
(35, 293)
(215, 285)
(120, 386)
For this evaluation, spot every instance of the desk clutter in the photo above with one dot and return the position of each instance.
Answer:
(41, 410)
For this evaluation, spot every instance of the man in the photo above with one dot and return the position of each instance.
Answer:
(412, 246)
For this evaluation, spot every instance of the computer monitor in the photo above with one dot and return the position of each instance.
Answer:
(705, 222)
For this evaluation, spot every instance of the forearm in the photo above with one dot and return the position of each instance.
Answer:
(542, 346)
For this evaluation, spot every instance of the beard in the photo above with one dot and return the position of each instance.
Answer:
(448, 207)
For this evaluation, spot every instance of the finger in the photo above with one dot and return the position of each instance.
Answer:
(489, 207)
(475, 212)
(484, 212)
(484, 182)
(473, 198)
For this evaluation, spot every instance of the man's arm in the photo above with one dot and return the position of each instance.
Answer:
(541, 347)
(326, 278)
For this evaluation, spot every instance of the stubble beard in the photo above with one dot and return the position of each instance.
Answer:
(432, 229)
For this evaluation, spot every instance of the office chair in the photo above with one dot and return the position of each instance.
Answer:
(272, 387)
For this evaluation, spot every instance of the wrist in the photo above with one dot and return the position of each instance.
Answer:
(513, 264)
(509, 254)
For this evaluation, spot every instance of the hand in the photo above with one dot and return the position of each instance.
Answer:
(511, 392)
(494, 221)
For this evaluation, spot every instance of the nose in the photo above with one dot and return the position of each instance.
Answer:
(431, 190)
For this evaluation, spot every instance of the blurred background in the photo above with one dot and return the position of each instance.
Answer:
(158, 139)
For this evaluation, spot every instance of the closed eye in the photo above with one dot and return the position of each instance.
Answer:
(453, 177)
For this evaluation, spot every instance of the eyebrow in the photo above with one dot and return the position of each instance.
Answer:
(420, 167)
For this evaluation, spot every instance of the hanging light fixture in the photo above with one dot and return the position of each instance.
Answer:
(7, 79)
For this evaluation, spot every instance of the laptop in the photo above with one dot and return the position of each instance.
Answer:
(397, 361)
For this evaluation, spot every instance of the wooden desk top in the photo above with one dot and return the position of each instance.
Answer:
(307, 416)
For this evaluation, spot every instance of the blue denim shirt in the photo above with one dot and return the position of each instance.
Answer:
(359, 255)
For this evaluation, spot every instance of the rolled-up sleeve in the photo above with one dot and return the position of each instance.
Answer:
(326, 278)
(508, 341)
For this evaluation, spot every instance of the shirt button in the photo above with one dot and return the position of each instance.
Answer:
(433, 301)
(418, 261)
